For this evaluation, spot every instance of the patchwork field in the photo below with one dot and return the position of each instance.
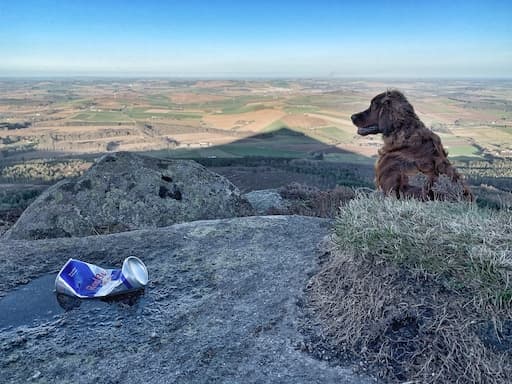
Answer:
(209, 118)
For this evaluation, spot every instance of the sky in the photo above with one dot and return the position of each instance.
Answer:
(233, 39)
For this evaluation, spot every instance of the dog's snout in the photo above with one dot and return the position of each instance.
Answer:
(353, 117)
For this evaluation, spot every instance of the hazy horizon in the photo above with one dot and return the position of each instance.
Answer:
(227, 39)
(239, 77)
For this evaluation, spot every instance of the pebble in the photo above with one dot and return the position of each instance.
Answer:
(36, 375)
(13, 358)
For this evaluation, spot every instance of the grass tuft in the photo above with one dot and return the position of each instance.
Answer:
(420, 290)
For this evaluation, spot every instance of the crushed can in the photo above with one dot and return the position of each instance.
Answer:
(84, 280)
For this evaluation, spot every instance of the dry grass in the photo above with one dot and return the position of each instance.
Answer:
(420, 291)
(444, 188)
(306, 200)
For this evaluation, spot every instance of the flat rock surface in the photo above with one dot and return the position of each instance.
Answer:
(123, 192)
(222, 306)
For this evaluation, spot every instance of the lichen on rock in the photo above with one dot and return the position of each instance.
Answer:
(124, 191)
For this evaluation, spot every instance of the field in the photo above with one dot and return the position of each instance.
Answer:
(74, 117)
(251, 131)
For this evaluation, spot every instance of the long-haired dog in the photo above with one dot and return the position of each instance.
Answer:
(411, 151)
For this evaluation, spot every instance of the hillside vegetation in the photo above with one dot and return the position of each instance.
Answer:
(420, 291)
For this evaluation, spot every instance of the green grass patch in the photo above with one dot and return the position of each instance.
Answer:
(192, 153)
(301, 109)
(463, 151)
(241, 150)
(158, 100)
(229, 151)
(333, 133)
(138, 114)
(102, 116)
(180, 153)
(280, 83)
(17, 199)
(240, 108)
(325, 101)
(274, 126)
(504, 128)
(232, 105)
(348, 157)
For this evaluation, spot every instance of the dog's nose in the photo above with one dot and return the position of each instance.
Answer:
(353, 118)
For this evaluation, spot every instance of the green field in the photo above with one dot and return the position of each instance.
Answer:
(348, 157)
(102, 116)
(463, 150)
(231, 150)
(131, 115)
(158, 100)
(243, 150)
(231, 105)
(141, 114)
(332, 133)
(233, 110)
(301, 109)
(474, 119)
(278, 124)
(329, 101)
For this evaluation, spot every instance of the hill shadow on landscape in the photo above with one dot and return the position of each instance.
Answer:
(276, 158)
(269, 160)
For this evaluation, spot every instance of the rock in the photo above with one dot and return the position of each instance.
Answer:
(300, 199)
(266, 201)
(222, 306)
(123, 192)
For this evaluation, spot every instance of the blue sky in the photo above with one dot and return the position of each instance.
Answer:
(257, 38)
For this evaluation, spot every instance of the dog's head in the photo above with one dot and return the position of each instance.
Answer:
(387, 113)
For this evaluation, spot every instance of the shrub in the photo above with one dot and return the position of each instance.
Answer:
(310, 201)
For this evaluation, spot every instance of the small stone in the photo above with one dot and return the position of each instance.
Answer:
(12, 358)
(20, 340)
(36, 375)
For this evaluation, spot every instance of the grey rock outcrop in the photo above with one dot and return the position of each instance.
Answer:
(265, 201)
(123, 192)
(223, 306)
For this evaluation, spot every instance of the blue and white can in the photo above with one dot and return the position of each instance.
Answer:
(84, 280)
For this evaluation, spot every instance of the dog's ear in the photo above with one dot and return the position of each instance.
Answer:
(386, 117)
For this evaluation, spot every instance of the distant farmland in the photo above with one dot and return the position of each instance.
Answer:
(210, 118)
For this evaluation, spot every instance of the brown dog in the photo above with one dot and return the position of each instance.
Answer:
(410, 149)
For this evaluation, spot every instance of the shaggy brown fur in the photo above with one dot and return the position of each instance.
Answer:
(409, 148)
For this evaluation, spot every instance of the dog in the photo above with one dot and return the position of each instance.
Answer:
(411, 151)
